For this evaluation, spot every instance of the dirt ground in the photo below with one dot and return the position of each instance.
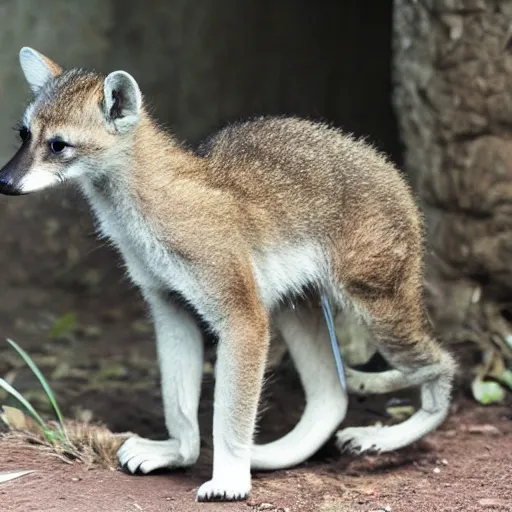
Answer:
(465, 466)
(102, 366)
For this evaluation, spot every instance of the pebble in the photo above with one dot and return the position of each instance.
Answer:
(75, 479)
(436, 470)
(266, 506)
(485, 429)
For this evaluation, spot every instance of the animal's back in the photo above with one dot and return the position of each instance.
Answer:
(305, 173)
(289, 150)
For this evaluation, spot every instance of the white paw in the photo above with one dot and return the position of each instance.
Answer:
(145, 455)
(358, 440)
(232, 490)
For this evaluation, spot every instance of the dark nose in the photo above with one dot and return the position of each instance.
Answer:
(7, 187)
(12, 173)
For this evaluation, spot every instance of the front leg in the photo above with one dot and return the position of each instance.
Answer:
(242, 353)
(180, 353)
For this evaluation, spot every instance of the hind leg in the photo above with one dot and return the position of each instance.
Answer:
(305, 334)
(418, 360)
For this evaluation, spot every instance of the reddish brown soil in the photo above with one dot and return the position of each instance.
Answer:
(465, 466)
(107, 368)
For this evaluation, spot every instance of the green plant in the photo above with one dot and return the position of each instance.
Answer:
(60, 434)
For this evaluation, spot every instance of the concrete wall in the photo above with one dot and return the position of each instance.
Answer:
(44, 239)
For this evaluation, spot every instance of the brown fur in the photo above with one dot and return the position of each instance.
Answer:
(258, 183)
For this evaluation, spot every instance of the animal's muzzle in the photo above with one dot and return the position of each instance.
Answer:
(8, 188)
(13, 172)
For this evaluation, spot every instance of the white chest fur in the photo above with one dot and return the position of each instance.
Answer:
(149, 263)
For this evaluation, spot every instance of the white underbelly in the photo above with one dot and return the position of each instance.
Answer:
(285, 271)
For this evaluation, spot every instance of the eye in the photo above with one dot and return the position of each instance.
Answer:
(58, 145)
(24, 133)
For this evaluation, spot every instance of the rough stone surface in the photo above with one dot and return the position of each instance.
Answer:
(453, 97)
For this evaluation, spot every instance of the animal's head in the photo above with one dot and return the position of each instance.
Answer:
(76, 124)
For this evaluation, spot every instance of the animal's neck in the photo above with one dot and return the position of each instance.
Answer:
(138, 171)
(129, 194)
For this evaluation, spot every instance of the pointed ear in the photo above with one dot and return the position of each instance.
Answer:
(38, 69)
(123, 100)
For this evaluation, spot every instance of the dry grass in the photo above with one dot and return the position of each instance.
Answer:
(92, 445)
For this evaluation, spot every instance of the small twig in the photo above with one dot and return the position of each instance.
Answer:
(62, 458)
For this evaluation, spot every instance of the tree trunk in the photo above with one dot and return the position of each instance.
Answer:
(453, 98)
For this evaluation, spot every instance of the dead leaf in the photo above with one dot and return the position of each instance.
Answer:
(15, 418)
(18, 420)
